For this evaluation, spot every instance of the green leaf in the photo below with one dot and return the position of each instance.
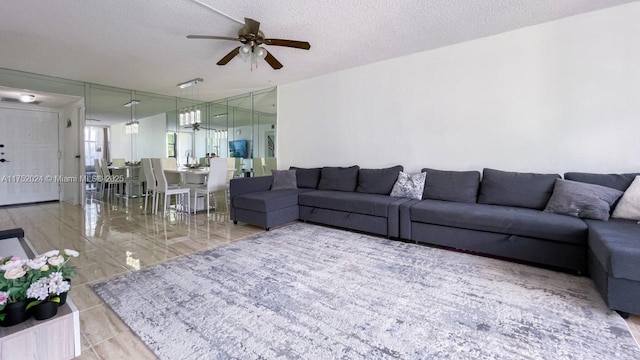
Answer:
(33, 303)
(1, 317)
(56, 299)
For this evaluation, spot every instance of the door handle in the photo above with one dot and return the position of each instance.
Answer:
(4, 160)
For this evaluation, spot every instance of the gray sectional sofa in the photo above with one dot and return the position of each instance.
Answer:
(500, 214)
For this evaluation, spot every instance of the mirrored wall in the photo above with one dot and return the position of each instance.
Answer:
(130, 125)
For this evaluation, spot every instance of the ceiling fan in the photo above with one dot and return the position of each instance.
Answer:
(251, 38)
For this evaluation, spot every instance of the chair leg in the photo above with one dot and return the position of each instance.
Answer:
(195, 201)
(188, 203)
(146, 197)
(208, 196)
(164, 206)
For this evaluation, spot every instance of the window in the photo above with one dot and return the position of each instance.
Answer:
(171, 145)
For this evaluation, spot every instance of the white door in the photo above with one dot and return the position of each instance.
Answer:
(29, 165)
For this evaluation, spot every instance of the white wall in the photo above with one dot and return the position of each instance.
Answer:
(561, 96)
(119, 142)
(152, 137)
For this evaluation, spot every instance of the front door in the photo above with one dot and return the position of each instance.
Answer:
(29, 164)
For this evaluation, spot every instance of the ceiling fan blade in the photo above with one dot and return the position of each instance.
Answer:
(251, 26)
(211, 37)
(275, 64)
(288, 43)
(229, 56)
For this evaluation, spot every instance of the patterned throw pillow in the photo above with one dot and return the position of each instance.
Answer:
(409, 186)
(587, 201)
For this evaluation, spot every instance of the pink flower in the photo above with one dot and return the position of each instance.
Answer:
(12, 264)
(3, 297)
(56, 260)
(14, 273)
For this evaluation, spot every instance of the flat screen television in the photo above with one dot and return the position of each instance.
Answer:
(240, 149)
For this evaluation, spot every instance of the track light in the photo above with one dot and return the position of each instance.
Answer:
(27, 98)
(190, 83)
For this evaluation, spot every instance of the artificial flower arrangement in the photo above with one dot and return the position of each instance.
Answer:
(41, 279)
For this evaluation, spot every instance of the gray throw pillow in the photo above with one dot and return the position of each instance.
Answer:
(409, 186)
(339, 178)
(527, 190)
(457, 186)
(378, 181)
(582, 200)
(284, 179)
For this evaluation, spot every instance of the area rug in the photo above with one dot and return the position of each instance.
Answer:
(310, 292)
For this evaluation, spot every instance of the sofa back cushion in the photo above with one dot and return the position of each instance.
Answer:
(615, 181)
(378, 181)
(527, 190)
(457, 186)
(307, 178)
(339, 178)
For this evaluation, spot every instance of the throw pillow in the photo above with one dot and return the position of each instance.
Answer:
(378, 181)
(339, 178)
(458, 186)
(307, 178)
(527, 190)
(284, 179)
(629, 206)
(409, 186)
(582, 200)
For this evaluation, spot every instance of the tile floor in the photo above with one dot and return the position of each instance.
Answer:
(116, 238)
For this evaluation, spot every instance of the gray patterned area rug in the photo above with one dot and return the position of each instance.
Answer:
(312, 292)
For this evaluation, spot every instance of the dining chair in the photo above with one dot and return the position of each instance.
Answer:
(151, 181)
(270, 163)
(171, 164)
(216, 181)
(258, 166)
(164, 188)
(110, 183)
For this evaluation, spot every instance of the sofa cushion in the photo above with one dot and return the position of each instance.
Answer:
(307, 178)
(378, 181)
(284, 179)
(629, 205)
(409, 186)
(616, 245)
(501, 219)
(339, 178)
(527, 190)
(458, 186)
(616, 181)
(588, 201)
(265, 201)
(361, 203)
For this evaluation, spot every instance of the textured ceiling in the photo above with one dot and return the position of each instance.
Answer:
(141, 45)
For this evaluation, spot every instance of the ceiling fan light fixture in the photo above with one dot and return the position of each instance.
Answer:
(261, 52)
(27, 98)
(245, 51)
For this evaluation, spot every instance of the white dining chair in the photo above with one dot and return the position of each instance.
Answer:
(216, 182)
(171, 164)
(270, 164)
(258, 166)
(110, 183)
(151, 181)
(164, 188)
